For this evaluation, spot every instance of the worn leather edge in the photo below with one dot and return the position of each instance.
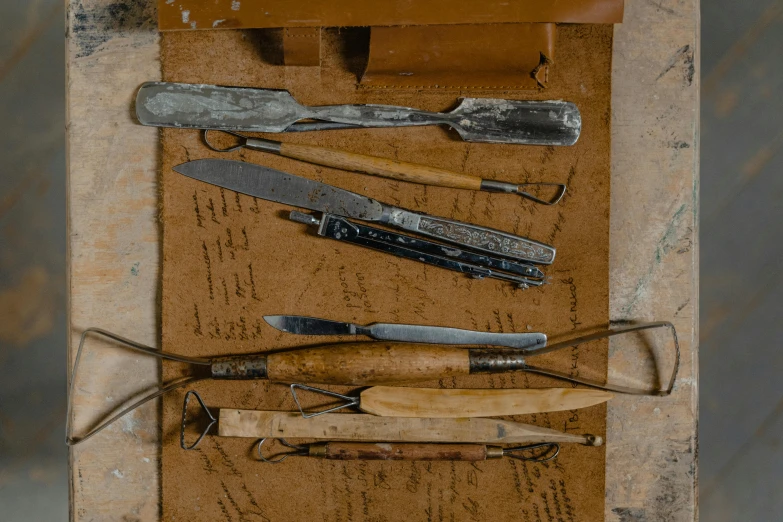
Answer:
(239, 14)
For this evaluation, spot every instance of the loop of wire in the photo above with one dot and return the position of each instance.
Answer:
(301, 451)
(551, 450)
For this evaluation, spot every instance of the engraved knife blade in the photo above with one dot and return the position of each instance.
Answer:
(281, 187)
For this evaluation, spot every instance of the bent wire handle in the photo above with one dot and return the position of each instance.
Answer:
(70, 440)
(554, 200)
(605, 335)
(212, 420)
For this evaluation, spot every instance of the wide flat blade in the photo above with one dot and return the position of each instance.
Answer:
(163, 104)
(520, 122)
(280, 187)
(391, 401)
(297, 324)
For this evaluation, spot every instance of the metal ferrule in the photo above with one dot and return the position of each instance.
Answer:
(498, 186)
(317, 450)
(239, 367)
(494, 452)
(495, 360)
(263, 145)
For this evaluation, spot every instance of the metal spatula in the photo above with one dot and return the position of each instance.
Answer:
(488, 120)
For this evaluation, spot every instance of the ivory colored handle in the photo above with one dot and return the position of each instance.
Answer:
(370, 428)
(368, 363)
(399, 451)
(432, 402)
(383, 167)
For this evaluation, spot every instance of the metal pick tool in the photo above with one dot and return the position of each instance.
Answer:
(407, 451)
(384, 167)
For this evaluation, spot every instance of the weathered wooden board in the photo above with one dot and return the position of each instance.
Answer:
(114, 255)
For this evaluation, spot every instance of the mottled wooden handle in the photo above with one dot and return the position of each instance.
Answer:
(368, 363)
(383, 167)
(398, 451)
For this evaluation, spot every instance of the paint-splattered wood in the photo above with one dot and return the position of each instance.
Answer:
(114, 256)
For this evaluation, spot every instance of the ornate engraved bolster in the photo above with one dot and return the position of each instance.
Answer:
(472, 236)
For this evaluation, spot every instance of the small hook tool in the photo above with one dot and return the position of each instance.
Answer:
(383, 167)
(542, 452)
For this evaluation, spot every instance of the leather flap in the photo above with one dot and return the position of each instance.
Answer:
(460, 57)
(212, 14)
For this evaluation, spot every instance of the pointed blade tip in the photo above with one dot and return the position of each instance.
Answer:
(274, 321)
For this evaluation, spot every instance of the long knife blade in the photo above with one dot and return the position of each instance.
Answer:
(409, 333)
(280, 187)
(273, 185)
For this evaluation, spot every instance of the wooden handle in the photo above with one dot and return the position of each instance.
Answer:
(383, 167)
(368, 363)
(398, 451)
(432, 402)
(370, 428)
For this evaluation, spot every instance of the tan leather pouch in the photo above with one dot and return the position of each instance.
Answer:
(460, 57)
(435, 44)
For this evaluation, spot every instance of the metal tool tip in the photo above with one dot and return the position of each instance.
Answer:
(273, 320)
(594, 440)
(301, 217)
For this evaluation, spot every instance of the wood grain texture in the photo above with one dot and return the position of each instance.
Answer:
(359, 426)
(113, 262)
(349, 363)
(654, 254)
(383, 167)
(108, 56)
(390, 401)
(402, 451)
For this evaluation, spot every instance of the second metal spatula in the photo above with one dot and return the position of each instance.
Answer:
(407, 333)
(163, 104)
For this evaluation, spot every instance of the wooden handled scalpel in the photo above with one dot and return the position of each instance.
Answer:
(384, 167)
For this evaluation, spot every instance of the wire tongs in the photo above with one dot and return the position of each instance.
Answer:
(364, 364)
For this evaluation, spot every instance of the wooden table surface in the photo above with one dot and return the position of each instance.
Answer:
(114, 252)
